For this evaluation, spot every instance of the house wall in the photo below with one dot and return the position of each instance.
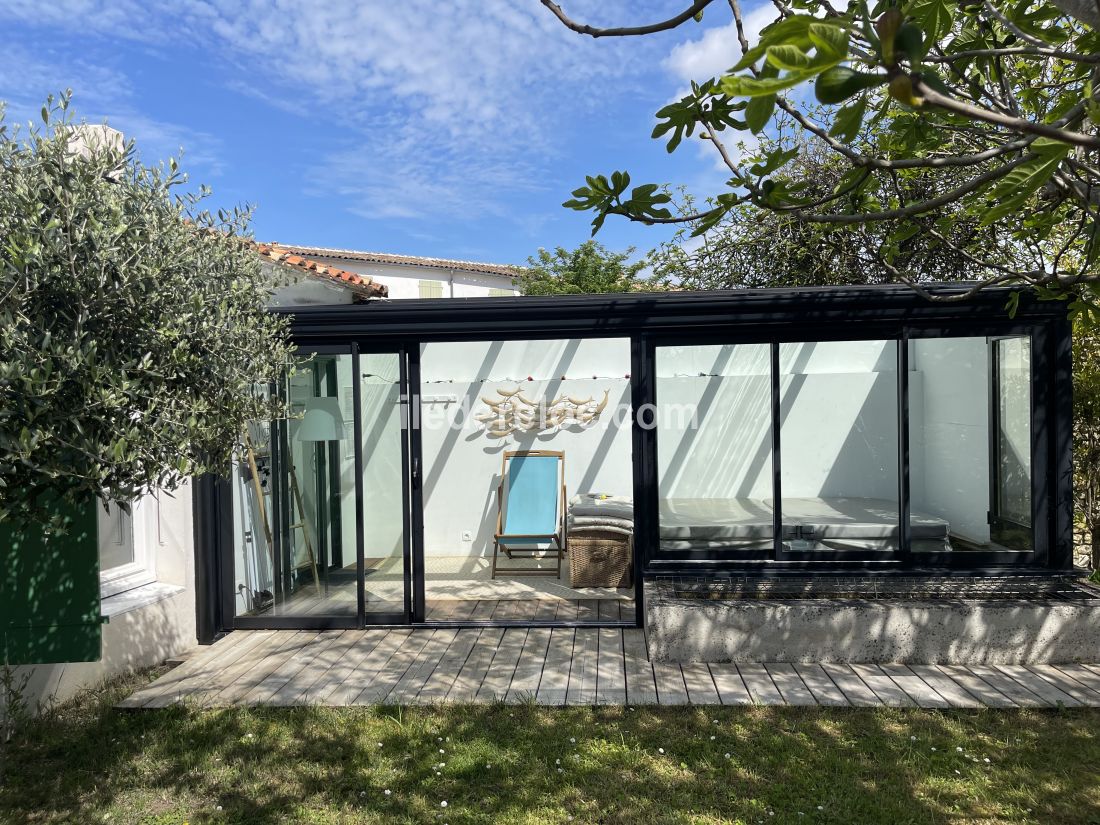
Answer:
(403, 280)
(462, 461)
(155, 622)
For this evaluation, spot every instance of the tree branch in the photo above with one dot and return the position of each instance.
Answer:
(1017, 124)
(627, 31)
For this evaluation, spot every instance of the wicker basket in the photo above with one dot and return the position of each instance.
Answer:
(599, 558)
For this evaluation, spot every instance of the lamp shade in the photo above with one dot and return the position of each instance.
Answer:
(322, 421)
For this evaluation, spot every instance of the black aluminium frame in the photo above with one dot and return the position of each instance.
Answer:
(729, 317)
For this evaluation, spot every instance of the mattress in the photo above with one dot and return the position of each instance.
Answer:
(836, 522)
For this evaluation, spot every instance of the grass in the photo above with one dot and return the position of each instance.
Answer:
(86, 762)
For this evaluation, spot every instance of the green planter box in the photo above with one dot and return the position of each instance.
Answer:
(49, 591)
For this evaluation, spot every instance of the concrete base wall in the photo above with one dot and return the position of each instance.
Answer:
(822, 630)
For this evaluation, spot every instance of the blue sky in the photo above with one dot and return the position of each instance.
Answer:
(440, 129)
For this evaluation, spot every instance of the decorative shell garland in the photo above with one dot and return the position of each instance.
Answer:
(513, 412)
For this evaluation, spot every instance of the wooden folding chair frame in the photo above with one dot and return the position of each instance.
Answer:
(558, 538)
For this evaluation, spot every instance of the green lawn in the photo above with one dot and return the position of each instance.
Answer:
(86, 762)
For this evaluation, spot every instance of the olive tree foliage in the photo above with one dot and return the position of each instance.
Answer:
(990, 104)
(1086, 435)
(588, 268)
(133, 325)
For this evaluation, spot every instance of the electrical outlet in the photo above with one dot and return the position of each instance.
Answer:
(467, 535)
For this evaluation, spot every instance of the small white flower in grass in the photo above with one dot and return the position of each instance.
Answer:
(561, 770)
(386, 792)
(362, 793)
(912, 739)
(442, 751)
(379, 744)
(933, 749)
(986, 760)
(573, 740)
(443, 804)
(958, 772)
(218, 808)
(248, 736)
(557, 761)
(660, 750)
(821, 807)
(713, 738)
(958, 750)
(437, 773)
(727, 756)
(439, 739)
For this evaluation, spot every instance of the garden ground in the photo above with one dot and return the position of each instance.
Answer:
(86, 761)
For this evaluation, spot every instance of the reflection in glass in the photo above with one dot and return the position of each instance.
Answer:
(839, 442)
(970, 442)
(714, 448)
(294, 500)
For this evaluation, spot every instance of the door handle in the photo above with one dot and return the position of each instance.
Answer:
(416, 473)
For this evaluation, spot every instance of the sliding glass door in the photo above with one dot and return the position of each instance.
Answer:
(321, 497)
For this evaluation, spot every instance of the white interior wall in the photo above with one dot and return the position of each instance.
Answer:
(950, 442)
(462, 464)
(714, 421)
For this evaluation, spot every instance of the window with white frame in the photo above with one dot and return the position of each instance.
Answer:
(125, 557)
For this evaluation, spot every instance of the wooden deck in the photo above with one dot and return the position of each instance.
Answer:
(565, 666)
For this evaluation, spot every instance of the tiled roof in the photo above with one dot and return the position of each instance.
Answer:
(362, 285)
(405, 260)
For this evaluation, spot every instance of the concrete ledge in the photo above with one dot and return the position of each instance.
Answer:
(950, 631)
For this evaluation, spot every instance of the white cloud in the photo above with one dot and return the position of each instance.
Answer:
(718, 49)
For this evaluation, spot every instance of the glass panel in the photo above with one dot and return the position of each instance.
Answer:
(970, 457)
(116, 538)
(494, 522)
(294, 500)
(383, 482)
(714, 448)
(839, 443)
(1013, 390)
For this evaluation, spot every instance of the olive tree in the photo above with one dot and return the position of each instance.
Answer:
(587, 268)
(133, 324)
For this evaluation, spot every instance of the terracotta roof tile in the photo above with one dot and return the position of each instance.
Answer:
(362, 285)
(404, 260)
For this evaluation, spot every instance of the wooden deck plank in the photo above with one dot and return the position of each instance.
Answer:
(378, 673)
(641, 689)
(978, 688)
(545, 610)
(302, 658)
(554, 685)
(699, 684)
(583, 673)
(179, 684)
(588, 610)
(671, 688)
(941, 682)
(851, 685)
(919, 690)
(260, 666)
(821, 686)
(608, 610)
(239, 666)
(567, 610)
(532, 658)
(1079, 673)
(883, 686)
(477, 664)
(1051, 674)
(790, 684)
(1039, 686)
(731, 687)
(405, 690)
(483, 610)
(346, 680)
(760, 685)
(292, 691)
(1010, 687)
(610, 668)
(499, 675)
(439, 684)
